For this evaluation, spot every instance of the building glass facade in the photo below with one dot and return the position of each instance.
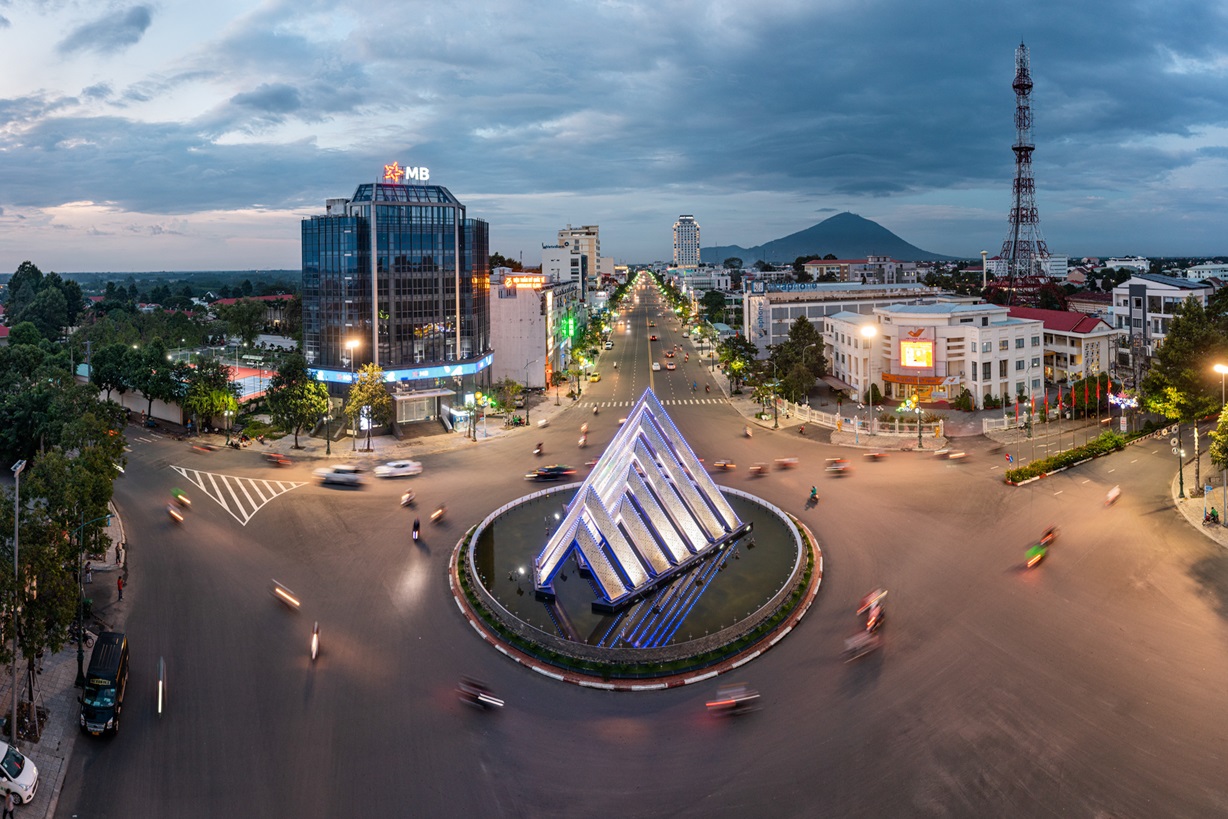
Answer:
(427, 266)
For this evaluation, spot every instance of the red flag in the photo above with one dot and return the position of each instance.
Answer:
(1033, 403)
(1059, 400)
(1046, 405)
(1097, 392)
(1016, 410)
(1085, 398)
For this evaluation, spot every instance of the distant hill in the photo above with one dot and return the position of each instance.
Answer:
(845, 235)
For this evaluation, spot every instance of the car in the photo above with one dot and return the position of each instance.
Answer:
(554, 472)
(669, 353)
(345, 474)
(838, 466)
(652, 324)
(609, 345)
(671, 366)
(656, 366)
(594, 376)
(398, 469)
(18, 775)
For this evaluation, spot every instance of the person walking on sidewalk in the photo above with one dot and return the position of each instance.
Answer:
(89, 572)
(119, 584)
(9, 804)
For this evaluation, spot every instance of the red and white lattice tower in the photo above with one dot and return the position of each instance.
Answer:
(1024, 250)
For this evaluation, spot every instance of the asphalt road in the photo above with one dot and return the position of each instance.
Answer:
(1089, 686)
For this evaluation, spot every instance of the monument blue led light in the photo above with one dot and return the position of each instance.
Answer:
(647, 511)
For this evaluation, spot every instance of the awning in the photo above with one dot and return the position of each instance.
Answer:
(837, 384)
(400, 396)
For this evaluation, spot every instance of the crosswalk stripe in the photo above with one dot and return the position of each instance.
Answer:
(225, 490)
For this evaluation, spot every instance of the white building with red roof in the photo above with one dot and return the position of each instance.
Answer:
(1076, 345)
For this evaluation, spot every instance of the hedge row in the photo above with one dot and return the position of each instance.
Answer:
(1107, 442)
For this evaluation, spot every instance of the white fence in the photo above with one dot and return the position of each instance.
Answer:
(859, 423)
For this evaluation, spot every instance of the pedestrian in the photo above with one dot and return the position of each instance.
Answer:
(89, 572)
(9, 804)
(119, 583)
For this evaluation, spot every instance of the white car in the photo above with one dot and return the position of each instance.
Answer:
(398, 469)
(656, 366)
(17, 774)
(347, 474)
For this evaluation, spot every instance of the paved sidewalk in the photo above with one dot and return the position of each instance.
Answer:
(55, 686)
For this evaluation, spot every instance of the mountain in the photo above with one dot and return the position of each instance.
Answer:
(845, 235)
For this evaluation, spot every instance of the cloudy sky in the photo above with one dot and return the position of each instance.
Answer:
(180, 135)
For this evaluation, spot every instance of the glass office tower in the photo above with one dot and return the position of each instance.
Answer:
(408, 289)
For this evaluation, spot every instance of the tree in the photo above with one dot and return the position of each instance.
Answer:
(154, 377)
(737, 356)
(23, 286)
(803, 341)
(505, 391)
(48, 311)
(109, 368)
(762, 265)
(798, 382)
(25, 333)
(369, 398)
(713, 304)
(733, 263)
(244, 318)
(295, 399)
(1219, 445)
(1180, 384)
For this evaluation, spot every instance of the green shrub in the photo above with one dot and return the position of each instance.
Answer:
(1107, 442)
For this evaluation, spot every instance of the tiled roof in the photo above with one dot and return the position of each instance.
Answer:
(1063, 321)
(281, 297)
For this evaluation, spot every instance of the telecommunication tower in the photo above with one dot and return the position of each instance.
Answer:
(1024, 250)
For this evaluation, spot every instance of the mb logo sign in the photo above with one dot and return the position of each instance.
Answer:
(395, 173)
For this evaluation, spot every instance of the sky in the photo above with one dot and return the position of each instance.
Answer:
(174, 135)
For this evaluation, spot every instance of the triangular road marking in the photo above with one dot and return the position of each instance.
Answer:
(241, 497)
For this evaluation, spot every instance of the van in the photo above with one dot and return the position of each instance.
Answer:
(105, 682)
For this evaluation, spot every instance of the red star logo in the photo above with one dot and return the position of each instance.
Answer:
(393, 173)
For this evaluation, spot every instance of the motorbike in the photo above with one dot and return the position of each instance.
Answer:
(872, 607)
(746, 431)
(1036, 554)
(181, 498)
(477, 694)
(315, 641)
(707, 388)
(759, 469)
(583, 441)
(737, 698)
(1049, 536)
(417, 528)
(596, 410)
(176, 515)
(438, 514)
(1113, 495)
(537, 450)
(285, 596)
(408, 498)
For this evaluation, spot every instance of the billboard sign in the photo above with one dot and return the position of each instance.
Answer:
(916, 354)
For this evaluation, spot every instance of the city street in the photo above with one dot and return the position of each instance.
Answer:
(1090, 685)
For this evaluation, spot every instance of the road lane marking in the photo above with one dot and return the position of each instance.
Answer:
(225, 491)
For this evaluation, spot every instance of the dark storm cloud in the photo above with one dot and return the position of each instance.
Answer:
(829, 102)
(109, 33)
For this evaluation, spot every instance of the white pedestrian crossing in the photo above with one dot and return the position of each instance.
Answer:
(668, 402)
(241, 497)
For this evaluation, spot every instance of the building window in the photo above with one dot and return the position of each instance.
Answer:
(1002, 368)
(986, 346)
(1035, 362)
(1019, 343)
(986, 370)
(1036, 383)
(972, 347)
(1004, 344)
(1018, 388)
(1138, 323)
(1019, 364)
(1035, 341)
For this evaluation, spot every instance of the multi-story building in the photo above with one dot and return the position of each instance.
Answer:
(532, 322)
(566, 264)
(1204, 271)
(1077, 346)
(1137, 263)
(686, 241)
(397, 275)
(870, 270)
(935, 351)
(770, 310)
(587, 240)
(1143, 309)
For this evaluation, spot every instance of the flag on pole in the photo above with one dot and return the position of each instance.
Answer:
(1016, 410)
(1046, 405)
(1097, 392)
(1085, 398)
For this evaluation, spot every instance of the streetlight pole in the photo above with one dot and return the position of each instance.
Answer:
(870, 331)
(1223, 370)
(18, 468)
(350, 346)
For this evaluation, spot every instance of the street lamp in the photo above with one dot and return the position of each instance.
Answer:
(1223, 370)
(870, 331)
(226, 414)
(350, 346)
(18, 468)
